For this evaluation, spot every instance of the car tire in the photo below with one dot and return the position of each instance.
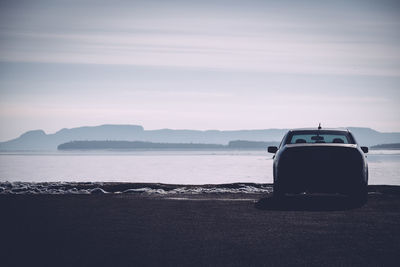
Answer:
(278, 193)
(360, 197)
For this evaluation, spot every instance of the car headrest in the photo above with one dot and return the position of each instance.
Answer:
(300, 141)
(338, 140)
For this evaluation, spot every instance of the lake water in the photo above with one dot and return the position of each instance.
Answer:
(174, 167)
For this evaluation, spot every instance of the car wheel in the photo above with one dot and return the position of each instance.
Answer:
(360, 197)
(278, 192)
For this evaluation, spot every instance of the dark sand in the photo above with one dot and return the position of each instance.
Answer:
(208, 229)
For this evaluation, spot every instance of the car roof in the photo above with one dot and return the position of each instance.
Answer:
(322, 129)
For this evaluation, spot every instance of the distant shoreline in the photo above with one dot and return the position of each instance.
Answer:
(395, 146)
(140, 145)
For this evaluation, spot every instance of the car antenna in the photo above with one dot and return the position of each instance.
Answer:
(319, 126)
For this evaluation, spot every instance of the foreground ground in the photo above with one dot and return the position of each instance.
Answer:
(207, 229)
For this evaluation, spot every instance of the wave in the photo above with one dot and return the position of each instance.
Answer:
(86, 188)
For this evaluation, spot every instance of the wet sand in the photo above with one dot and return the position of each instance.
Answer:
(204, 229)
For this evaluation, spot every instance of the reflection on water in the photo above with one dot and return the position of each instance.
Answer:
(178, 167)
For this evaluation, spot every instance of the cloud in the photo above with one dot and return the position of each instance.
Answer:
(255, 38)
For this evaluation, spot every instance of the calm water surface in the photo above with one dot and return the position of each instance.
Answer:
(177, 167)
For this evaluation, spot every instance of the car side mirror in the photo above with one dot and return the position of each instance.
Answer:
(272, 149)
(364, 149)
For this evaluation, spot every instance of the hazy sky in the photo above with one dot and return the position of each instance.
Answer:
(199, 64)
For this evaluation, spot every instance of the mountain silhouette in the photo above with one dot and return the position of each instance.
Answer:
(39, 140)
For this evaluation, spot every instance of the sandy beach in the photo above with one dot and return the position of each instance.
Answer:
(215, 229)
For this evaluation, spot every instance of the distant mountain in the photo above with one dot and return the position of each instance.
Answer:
(386, 146)
(39, 140)
(370, 137)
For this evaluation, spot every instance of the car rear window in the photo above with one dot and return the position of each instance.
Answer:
(320, 137)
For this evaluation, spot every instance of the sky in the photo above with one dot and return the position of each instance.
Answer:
(222, 65)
